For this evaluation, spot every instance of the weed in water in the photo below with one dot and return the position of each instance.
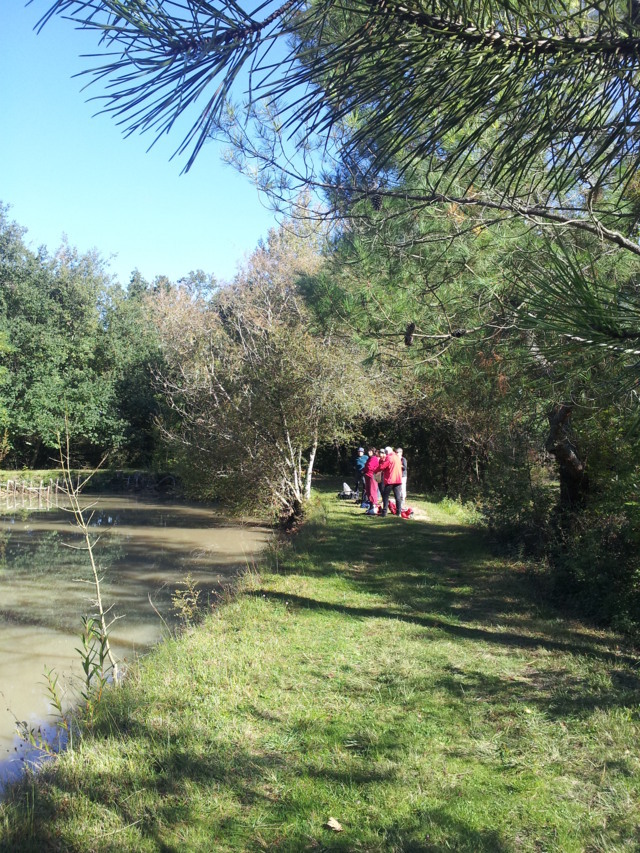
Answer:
(95, 665)
(185, 602)
(78, 713)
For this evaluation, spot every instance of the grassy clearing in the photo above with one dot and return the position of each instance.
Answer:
(392, 675)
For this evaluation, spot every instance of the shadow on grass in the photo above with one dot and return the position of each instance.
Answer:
(441, 575)
(444, 578)
(440, 578)
(162, 781)
(235, 780)
(498, 637)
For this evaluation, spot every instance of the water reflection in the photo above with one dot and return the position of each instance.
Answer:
(144, 550)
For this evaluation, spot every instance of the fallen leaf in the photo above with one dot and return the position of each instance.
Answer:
(333, 824)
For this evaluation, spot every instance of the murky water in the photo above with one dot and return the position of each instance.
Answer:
(145, 550)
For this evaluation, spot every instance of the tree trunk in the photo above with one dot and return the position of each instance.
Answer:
(36, 453)
(574, 482)
(308, 475)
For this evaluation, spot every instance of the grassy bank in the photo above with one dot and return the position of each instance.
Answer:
(392, 676)
(33, 476)
(94, 480)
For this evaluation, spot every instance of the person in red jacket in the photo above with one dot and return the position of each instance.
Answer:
(371, 486)
(391, 469)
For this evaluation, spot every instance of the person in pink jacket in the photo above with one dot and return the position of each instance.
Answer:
(371, 486)
(391, 469)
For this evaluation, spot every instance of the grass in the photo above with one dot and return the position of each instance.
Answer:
(33, 476)
(394, 676)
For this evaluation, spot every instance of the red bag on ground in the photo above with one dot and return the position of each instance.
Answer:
(407, 512)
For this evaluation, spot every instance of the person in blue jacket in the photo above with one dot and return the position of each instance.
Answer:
(358, 466)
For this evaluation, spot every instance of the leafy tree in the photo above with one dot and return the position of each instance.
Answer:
(130, 354)
(253, 387)
(69, 353)
(478, 314)
(53, 323)
(432, 304)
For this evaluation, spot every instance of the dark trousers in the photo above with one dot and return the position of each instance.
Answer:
(360, 483)
(396, 488)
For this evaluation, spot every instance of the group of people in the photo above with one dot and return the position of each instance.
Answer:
(379, 473)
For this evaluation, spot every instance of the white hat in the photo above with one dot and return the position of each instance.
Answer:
(388, 450)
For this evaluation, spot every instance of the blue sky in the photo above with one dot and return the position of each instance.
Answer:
(66, 172)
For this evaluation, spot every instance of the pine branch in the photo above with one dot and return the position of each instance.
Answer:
(600, 44)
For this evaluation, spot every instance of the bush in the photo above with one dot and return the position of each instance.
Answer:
(597, 565)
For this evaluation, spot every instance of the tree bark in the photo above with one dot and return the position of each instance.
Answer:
(36, 453)
(574, 482)
(308, 475)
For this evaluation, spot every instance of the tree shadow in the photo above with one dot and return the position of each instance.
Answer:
(439, 624)
(441, 579)
(556, 693)
(446, 579)
(242, 775)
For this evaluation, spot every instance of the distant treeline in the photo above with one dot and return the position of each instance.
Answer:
(76, 353)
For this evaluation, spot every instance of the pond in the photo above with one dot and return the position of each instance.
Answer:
(145, 550)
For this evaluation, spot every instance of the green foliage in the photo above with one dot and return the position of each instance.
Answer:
(94, 656)
(74, 714)
(537, 97)
(426, 291)
(595, 552)
(39, 738)
(186, 602)
(484, 332)
(252, 386)
(131, 354)
(73, 348)
(596, 566)
(582, 302)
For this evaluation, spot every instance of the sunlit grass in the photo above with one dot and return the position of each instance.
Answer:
(392, 675)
